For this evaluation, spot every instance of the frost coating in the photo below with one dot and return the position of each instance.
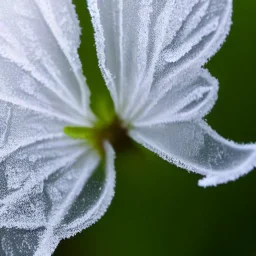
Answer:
(44, 175)
(144, 47)
(40, 48)
(196, 147)
(85, 202)
(151, 54)
(193, 100)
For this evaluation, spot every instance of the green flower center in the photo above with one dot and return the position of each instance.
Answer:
(114, 132)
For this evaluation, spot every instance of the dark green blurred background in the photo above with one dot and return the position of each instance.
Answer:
(158, 209)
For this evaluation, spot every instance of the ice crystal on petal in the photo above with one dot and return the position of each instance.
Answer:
(145, 47)
(152, 54)
(194, 146)
(50, 186)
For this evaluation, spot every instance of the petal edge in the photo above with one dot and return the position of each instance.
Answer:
(196, 147)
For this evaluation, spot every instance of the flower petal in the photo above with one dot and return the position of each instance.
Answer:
(20, 127)
(192, 99)
(83, 206)
(144, 45)
(46, 203)
(42, 172)
(39, 65)
(27, 166)
(196, 147)
(16, 241)
(94, 200)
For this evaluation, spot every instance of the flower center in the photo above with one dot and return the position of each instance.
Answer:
(114, 132)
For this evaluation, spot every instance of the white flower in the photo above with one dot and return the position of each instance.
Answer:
(151, 55)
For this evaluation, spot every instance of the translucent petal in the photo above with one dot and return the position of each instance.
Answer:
(82, 205)
(144, 45)
(56, 179)
(39, 65)
(65, 196)
(192, 99)
(16, 241)
(94, 199)
(196, 147)
(42, 90)
(32, 163)
(20, 127)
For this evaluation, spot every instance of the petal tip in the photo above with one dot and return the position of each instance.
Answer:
(215, 180)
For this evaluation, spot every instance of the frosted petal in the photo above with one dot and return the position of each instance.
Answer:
(39, 65)
(196, 147)
(22, 89)
(45, 197)
(144, 45)
(90, 196)
(34, 162)
(19, 242)
(192, 99)
(20, 127)
(123, 36)
(94, 199)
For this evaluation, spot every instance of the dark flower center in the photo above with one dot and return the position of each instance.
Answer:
(114, 132)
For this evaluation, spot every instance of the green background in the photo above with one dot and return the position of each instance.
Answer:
(158, 209)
